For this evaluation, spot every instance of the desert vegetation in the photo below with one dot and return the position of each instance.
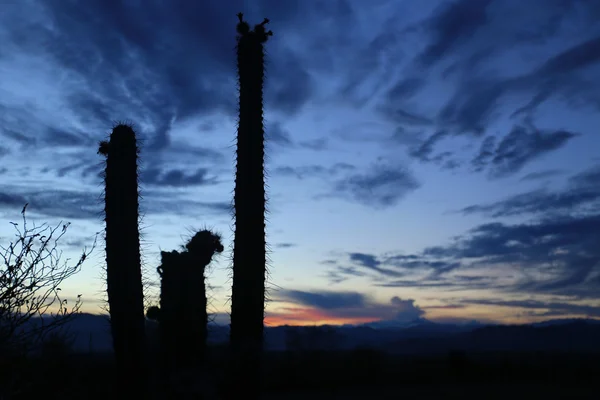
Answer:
(163, 351)
(182, 316)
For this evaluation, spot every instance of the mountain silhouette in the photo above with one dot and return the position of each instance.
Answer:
(91, 333)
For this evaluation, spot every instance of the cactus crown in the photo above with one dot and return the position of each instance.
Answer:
(205, 241)
(259, 33)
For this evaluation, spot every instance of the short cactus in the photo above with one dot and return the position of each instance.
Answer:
(182, 315)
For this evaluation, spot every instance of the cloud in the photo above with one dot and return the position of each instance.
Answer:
(342, 273)
(312, 171)
(582, 193)
(403, 116)
(306, 171)
(105, 76)
(315, 144)
(177, 177)
(106, 69)
(405, 88)
(408, 311)
(473, 49)
(476, 99)
(557, 255)
(18, 136)
(67, 204)
(540, 308)
(536, 202)
(324, 300)
(343, 307)
(382, 186)
(387, 267)
(423, 152)
(275, 133)
(534, 176)
(452, 23)
(553, 255)
(519, 147)
(419, 262)
(370, 262)
(285, 245)
(88, 204)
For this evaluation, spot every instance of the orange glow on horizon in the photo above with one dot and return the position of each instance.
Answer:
(311, 316)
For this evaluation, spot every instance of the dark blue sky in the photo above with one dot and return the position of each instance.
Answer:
(435, 159)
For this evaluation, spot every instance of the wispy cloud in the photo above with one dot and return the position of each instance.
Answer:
(519, 147)
(380, 187)
(581, 193)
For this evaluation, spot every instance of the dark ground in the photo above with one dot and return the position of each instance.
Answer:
(330, 375)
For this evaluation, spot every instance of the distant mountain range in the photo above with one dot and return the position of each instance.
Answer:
(92, 333)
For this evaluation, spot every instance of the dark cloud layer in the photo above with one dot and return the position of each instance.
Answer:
(466, 39)
(520, 146)
(582, 193)
(560, 245)
(540, 308)
(352, 304)
(557, 252)
(452, 23)
(159, 65)
(131, 69)
(86, 205)
(324, 300)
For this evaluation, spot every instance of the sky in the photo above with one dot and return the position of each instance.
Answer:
(432, 159)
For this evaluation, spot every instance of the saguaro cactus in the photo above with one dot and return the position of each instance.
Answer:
(123, 263)
(249, 252)
(200, 250)
(182, 315)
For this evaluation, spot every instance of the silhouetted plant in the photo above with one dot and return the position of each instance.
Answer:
(182, 315)
(123, 261)
(31, 308)
(249, 251)
(168, 312)
(200, 250)
(30, 280)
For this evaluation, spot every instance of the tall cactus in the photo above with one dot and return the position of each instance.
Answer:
(249, 252)
(123, 262)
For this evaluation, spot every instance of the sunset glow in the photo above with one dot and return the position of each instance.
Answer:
(311, 316)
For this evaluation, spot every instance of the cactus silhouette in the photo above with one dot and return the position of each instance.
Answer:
(200, 250)
(123, 261)
(249, 251)
(182, 315)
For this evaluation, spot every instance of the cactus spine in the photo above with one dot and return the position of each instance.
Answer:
(123, 262)
(249, 252)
